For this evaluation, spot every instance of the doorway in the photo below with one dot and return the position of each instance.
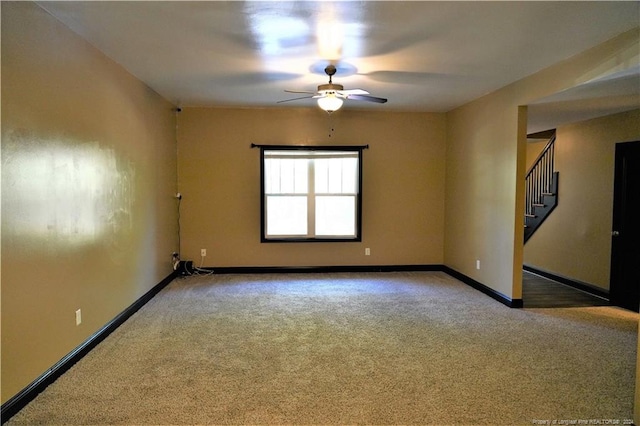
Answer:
(625, 236)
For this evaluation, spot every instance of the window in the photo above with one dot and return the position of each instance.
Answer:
(311, 193)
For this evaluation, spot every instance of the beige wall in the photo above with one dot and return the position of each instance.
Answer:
(486, 159)
(481, 193)
(575, 240)
(403, 185)
(88, 175)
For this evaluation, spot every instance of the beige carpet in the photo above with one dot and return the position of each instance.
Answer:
(368, 348)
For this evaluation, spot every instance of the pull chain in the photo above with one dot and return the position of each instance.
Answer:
(331, 128)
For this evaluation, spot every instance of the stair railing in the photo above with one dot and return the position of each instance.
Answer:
(539, 178)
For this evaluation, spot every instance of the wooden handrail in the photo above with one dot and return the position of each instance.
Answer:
(544, 151)
(539, 177)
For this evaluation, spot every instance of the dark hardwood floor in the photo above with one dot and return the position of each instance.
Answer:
(540, 292)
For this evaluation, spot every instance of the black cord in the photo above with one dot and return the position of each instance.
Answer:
(179, 196)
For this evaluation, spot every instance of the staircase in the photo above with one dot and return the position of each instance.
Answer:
(541, 190)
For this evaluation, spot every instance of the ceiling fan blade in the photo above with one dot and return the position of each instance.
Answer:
(367, 98)
(350, 92)
(301, 91)
(295, 99)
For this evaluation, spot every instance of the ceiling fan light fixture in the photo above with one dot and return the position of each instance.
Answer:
(330, 102)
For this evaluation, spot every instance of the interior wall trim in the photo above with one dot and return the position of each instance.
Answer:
(22, 398)
(512, 303)
(320, 269)
(587, 288)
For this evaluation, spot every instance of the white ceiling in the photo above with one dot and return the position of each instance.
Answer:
(422, 56)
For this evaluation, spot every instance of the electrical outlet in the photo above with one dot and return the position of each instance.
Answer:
(367, 251)
(203, 252)
(478, 264)
(78, 317)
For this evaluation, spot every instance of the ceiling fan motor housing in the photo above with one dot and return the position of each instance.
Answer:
(330, 86)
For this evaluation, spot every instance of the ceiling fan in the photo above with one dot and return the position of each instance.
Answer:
(330, 96)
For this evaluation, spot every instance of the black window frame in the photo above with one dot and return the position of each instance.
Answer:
(351, 148)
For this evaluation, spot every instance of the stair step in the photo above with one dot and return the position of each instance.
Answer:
(541, 189)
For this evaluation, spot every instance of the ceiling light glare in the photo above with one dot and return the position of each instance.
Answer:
(330, 103)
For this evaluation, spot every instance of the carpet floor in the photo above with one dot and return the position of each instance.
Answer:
(347, 348)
